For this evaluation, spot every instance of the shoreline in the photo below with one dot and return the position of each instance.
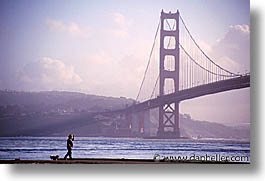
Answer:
(112, 161)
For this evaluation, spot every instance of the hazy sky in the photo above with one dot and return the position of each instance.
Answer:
(102, 47)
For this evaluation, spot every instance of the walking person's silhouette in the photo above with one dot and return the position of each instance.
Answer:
(69, 146)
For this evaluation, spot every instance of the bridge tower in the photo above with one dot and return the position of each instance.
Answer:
(169, 112)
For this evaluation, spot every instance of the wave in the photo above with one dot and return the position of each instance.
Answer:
(126, 149)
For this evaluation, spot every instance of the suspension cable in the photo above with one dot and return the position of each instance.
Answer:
(148, 61)
(155, 86)
(203, 51)
(231, 75)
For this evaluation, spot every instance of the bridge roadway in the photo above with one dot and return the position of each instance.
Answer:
(198, 91)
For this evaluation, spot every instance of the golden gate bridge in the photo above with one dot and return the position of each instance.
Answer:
(177, 69)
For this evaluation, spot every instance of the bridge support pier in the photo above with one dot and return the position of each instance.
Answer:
(169, 121)
(125, 128)
(141, 124)
(135, 125)
(147, 121)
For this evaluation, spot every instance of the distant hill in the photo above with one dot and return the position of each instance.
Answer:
(55, 113)
(205, 129)
(62, 99)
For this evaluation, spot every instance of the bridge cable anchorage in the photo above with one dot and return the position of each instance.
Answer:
(148, 61)
(227, 71)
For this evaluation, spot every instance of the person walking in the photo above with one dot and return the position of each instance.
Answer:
(69, 146)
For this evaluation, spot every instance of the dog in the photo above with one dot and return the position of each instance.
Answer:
(54, 157)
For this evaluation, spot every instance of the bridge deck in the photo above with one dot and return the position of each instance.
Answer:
(207, 89)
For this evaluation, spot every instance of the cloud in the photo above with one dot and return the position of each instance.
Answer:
(235, 48)
(121, 20)
(121, 25)
(109, 75)
(232, 51)
(72, 28)
(48, 74)
(100, 58)
(118, 33)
